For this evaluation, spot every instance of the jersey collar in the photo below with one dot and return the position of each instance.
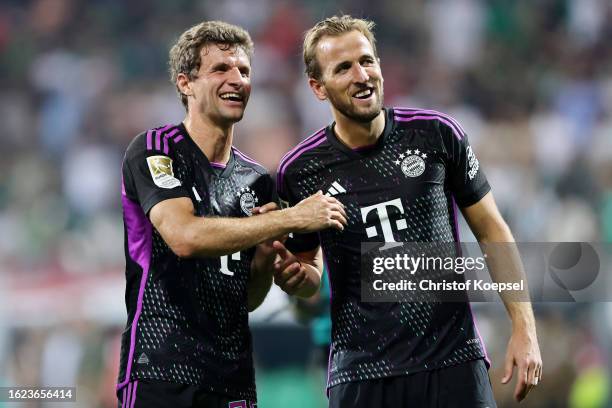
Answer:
(220, 172)
(363, 150)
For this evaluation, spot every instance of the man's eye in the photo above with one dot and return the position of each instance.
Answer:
(219, 68)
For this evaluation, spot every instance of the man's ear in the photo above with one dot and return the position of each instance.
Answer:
(184, 84)
(318, 88)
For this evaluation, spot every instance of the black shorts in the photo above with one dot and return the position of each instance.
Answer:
(461, 386)
(159, 394)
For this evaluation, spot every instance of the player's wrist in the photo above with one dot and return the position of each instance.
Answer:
(308, 290)
(292, 220)
(311, 284)
(524, 329)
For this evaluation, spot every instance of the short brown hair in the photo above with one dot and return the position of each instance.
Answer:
(333, 26)
(185, 54)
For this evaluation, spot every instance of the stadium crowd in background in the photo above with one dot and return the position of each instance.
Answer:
(530, 81)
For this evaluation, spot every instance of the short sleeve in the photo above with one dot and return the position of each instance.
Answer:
(149, 176)
(296, 243)
(468, 182)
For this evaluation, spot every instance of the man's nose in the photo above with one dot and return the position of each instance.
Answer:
(235, 76)
(360, 73)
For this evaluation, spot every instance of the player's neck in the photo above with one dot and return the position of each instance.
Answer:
(215, 141)
(357, 134)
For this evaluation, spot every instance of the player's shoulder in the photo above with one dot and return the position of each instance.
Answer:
(158, 140)
(249, 162)
(300, 152)
(428, 119)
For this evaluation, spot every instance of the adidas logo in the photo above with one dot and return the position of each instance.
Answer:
(143, 359)
(335, 189)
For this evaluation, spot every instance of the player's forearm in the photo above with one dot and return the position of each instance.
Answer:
(216, 236)
(191, 236)
(505, 266)
(262, 272)
(521, 315)
(259, 284)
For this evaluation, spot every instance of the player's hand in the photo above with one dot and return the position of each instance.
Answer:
(524, 353)
(318, 212)
(289, 273)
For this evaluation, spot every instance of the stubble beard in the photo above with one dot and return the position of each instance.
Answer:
(224, 118)
(352, 113)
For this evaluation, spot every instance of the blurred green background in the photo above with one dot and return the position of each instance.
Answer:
(530, 80)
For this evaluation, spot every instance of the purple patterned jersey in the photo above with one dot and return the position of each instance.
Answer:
(404, 189)
(187, 318)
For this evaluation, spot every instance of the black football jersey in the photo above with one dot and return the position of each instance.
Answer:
(187, 318)
(405, 188)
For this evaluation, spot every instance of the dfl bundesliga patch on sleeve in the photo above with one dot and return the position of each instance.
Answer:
(161, 171)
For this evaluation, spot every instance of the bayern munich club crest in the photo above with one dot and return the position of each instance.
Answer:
(248, 200)
(412, 162)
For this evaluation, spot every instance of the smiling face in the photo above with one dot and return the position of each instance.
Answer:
(350, 76)
(220, 90)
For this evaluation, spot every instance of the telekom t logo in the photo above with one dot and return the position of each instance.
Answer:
(225, 263)
(383, 217)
